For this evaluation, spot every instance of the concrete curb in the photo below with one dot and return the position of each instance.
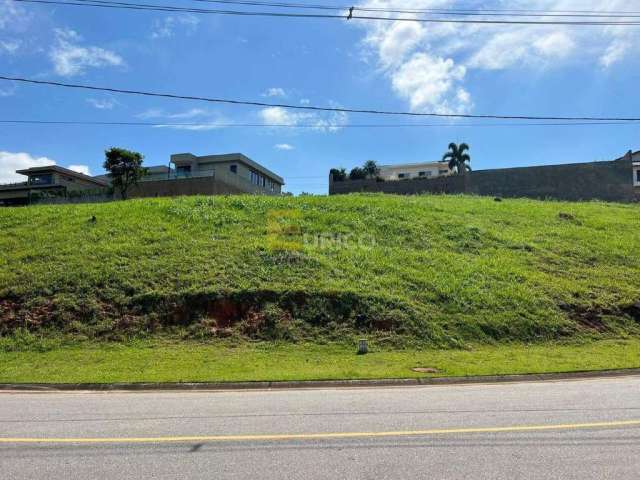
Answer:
(389, 382)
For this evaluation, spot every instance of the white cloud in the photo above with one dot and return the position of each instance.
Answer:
(407, 53)
(9, 46)
(167, 27)
(395, 43)
(324, 122)
(274, 92)
(80, 169)
(195, 119)
(102, 103)
(14, 20)
(554, 44)
(189, 114)
(428, 83)
(12, 16)
(199, 127)
(284, 146)
(156, 113)
(614, 52)
(501, 51)
(70, 58)
(528, 46)
(279, 116)
(10, 162)
(305, 101)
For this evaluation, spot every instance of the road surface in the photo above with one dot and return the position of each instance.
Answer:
(587, 429)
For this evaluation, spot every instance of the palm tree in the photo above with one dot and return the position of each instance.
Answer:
(458, 159)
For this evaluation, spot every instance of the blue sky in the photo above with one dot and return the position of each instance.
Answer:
(531, 70)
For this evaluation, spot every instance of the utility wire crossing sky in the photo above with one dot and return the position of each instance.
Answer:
(317, 108)
(348, 16)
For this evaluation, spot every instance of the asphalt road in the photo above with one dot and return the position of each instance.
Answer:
(588, 429)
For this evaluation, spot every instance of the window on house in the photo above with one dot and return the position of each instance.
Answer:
(403, 175)
(443, 172)
(183, 171)
(638, 176)
(44, 179)
(233, 168)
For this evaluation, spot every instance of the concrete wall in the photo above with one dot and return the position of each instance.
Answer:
(453, 184)
(222, 184)
(74, 183)
(610, 181)
(182, 186)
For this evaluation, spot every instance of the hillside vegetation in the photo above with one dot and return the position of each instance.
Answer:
(439, 271)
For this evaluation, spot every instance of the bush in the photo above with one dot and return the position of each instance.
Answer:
(357, 173)
(338, 175)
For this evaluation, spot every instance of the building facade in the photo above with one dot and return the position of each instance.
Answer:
(187, 174)
(50, 181)
(226, 174)
(405, 171)
(234, 168)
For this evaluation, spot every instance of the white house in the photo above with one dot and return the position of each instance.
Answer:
(403, 171)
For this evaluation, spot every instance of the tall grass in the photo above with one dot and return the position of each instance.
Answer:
(439, 269)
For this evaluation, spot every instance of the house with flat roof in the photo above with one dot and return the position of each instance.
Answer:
(403, 171)
(233, 167)
(223, 174)
(48, 181)
(186, 174)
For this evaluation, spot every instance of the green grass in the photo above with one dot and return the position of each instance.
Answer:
(189, 361)
(439, 271)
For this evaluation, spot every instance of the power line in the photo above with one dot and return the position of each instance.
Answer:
(246, 13)
(213, 125)
(462, 12)
(317, 108)
(443, 11)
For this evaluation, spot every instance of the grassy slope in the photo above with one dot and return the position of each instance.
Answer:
(456, 269)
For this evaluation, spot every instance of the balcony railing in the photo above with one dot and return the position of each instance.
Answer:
(12, 184)
(179, 176)
(18, 185)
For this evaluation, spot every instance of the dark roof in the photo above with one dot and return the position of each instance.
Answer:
(66, 171)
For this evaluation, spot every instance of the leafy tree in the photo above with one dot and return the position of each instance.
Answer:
(338, 175)
(370, 168)
(458, 159)
(357, 173)
(125, 168)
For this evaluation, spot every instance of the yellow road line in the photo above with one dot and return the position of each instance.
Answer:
(330, 435)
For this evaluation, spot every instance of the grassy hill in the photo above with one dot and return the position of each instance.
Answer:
(439, 271)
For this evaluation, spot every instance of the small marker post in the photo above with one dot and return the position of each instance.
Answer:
(363, 346)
